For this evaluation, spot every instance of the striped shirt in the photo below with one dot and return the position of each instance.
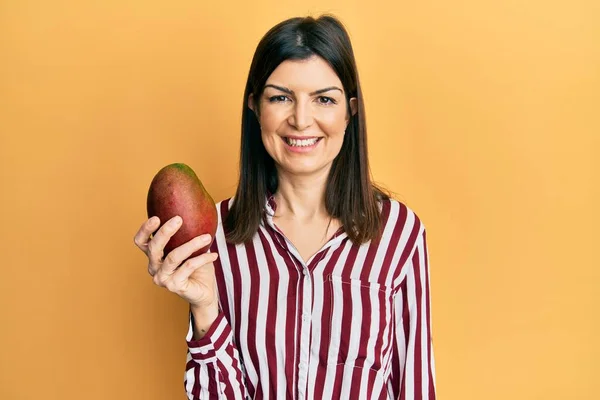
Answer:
(353, 322)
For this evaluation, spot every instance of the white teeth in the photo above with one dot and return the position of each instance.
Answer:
(301, 142)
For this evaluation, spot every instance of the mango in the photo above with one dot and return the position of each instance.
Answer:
(177, 190)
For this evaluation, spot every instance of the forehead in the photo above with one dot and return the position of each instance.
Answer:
(310, 74)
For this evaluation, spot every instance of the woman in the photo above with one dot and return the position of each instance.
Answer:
(320, 289)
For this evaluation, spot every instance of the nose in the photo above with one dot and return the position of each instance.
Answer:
(301, 117)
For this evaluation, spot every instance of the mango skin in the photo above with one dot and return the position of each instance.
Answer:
(177, 190)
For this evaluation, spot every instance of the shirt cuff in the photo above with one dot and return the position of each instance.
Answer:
(215, 341)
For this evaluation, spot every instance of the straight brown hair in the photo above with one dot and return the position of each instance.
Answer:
(350, 196)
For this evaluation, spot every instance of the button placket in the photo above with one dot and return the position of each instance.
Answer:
(305, 333)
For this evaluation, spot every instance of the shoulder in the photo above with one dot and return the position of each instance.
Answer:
(403, 235)
(400, 221)
(223, 207)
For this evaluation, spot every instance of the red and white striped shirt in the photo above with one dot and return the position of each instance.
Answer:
(353, 322)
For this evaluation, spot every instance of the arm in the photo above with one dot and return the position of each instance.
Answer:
(413, 369)
(213, 366)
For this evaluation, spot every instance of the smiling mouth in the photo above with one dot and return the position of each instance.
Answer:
(301, 142)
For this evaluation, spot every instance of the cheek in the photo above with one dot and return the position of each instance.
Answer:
(333, 123)
(271, 118)
(269, 142)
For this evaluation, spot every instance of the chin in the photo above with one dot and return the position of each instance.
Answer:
(304, 170)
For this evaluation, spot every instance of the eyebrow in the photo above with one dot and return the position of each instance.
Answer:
(289, 91)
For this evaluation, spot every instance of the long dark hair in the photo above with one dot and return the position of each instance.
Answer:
(350, 195)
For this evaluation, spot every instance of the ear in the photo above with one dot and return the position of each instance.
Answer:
(353, 105)
(251, 104)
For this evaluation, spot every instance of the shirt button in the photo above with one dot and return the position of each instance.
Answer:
(305, 317)
(305, 272)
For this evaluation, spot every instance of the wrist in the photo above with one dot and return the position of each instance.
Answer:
(204, 316)
(205, 308)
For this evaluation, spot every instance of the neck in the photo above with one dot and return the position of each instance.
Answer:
(302, 197)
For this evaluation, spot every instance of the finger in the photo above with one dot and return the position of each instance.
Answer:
(182, 275)
(156, 246)
(142, 237)
(176, 282)
(181, 253)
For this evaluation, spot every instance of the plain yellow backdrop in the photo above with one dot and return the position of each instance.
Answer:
(483, 116)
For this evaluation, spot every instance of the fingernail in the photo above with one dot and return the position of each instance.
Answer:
(176, 221)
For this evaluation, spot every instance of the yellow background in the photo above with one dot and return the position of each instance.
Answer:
(483, 116)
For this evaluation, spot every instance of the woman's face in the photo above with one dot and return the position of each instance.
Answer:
(303, 116)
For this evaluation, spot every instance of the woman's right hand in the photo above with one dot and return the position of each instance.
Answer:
(194, 280)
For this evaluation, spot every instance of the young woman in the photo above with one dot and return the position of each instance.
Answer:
(316, 285)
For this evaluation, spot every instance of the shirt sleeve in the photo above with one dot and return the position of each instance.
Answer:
(213, 366)
(413, 368)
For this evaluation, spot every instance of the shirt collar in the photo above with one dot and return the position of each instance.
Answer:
(270, 204)
(271, 207)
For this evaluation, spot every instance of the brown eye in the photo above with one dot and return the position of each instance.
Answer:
(278, 99)
(326, 100)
